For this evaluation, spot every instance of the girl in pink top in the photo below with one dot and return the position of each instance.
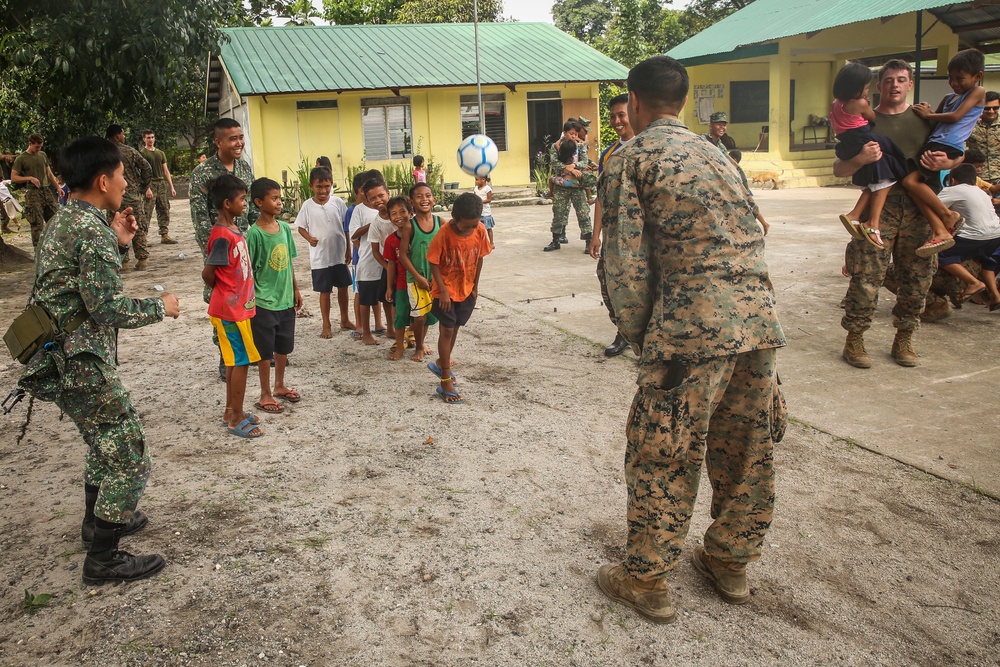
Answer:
(419, 170)
(853, 119)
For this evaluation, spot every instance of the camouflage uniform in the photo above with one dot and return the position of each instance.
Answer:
(203, 214)
(160, 201)
(986, 138)
(138, 174)
(77, 269)
(564, 197)
(39, 203)
(903, 230)
(685, 270)
(726, 143)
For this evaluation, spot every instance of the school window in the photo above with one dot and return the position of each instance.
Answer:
(495, 108)
(387, 127)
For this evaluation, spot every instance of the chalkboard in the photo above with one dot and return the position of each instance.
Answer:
(750, 100)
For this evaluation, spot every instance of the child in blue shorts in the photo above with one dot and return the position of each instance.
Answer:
(485, 192)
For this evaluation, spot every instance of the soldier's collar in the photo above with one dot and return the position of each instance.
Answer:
(666, 121)
(87, 206)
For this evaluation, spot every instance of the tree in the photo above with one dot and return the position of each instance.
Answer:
(357, 12)
(587, 20)
(301, 13)
(448, 11)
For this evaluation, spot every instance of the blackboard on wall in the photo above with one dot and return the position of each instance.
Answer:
(749, 101)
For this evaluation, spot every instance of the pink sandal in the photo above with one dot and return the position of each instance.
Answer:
(934, 246)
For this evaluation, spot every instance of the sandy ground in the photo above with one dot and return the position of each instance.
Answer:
(374, 525)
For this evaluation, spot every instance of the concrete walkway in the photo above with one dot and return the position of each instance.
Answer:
(940, 416)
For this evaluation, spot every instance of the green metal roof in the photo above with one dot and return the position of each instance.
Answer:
(263, 61)
(768, 20)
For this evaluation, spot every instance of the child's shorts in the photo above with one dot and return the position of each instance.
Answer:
(402, 318)
(458, 315)
(372, 292)
(324, 280)
(487, 221)
(235, 342)
(273, 331)
(933, 178)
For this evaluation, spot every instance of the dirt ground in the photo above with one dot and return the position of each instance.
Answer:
(375, 525)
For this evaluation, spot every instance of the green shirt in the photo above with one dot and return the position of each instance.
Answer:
(419, 244)
(36, 165)
(156, 159)
(271, 258)
(908, 131)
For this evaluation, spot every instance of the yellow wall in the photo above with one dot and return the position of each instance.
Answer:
(278, 141)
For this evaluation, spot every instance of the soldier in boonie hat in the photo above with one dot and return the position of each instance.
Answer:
(719, 117)
(717, 131)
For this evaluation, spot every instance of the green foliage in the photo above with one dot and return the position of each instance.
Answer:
(32, 603)
(301, 13)
(448, 11)
(356, 12)
(302, 173)
(586, 20)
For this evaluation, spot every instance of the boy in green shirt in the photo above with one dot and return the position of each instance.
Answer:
(272, 247)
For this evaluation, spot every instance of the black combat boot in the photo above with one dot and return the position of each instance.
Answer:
(554, 245)
(617, 347)
(586, 238)
(136, 522)
(106, 562)
(563, 239)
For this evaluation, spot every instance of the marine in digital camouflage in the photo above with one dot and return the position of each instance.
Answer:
(685, 273)
(986, 138)
(576, 196)
(77, 268)
(39, 205)
(203, 215)
(138, 175)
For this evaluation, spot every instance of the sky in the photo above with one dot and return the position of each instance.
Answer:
(536, 11)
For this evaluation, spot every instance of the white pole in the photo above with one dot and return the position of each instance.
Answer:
(479, 85)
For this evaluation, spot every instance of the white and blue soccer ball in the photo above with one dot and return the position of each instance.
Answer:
(478, 155)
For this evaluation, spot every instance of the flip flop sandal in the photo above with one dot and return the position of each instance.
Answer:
(270, 407)
(291, 396)
(434, 368)
(357, 335)
(379, 332)
(246, 415)
(958, 226)
(866, 233)
(243, 430)
(450, 397)
(962, 298)
(933, 247)
(853, 227)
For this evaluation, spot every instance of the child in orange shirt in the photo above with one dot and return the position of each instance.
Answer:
(456, 259)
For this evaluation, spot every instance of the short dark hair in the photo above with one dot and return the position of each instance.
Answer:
(736, 154)
(373, 183)
(324, 161)
(418, 160)
(895, 65)
(262, 187)
(963, 173)
(567, 149)
(417, 186)
(35, 138)
(87, 158)
(320, 174)
(618, 99)
(571, 125)
(851, 80)
(971, 61)
(659, 80)
(992, 96)
(400, 200)
(225, 187)
(224, 124)
(467, 206)
(113, 130)
(146, 133)
(974, 156)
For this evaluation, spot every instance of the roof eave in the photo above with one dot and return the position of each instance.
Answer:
(507, 84)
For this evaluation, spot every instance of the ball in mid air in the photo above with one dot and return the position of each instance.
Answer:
(478, 155)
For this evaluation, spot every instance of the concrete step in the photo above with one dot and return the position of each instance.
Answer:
(512, 192)
(518, 201)
(812, 182)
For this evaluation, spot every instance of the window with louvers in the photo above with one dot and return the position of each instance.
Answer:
(495, 108)
(387, 128)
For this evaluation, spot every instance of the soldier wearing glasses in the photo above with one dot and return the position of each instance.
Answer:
(986, 137)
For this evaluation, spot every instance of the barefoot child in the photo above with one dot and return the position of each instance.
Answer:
(369, 271)
(413, 255)
(484, 191)
(321, 224)
(399, 215)
(853, 119)
(456, 258)
(272, 247)
(956, 116)
(227, 271)
(377, 195)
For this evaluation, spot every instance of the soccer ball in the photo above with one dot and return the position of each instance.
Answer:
(478, 155)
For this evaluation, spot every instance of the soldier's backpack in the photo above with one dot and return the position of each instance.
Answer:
(33, 329)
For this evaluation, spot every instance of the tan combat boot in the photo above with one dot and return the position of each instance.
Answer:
(650, 599)
(729, 579)
(141, 265)
(126, 266)
(166, 240)
(902, 349)
(854, 351)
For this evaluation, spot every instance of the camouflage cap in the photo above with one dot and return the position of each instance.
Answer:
(719, 117)
(584, 121)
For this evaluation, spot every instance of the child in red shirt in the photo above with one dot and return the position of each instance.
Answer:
(227, 271)
(395, 292)
(456, 259)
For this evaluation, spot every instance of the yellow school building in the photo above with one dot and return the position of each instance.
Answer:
(771, 65)
(380, 94)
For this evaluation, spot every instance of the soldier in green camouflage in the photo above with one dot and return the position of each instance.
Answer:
(31, 168)
(156, 195)
(228, 159)
(77, 273)
(139, 175)
(986, 137)
(584, 175)
(903, 229)
(685, 271)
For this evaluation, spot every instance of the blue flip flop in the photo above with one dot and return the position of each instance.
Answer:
(246, 415)
(244, 429)
(450, 397)
(434, 368)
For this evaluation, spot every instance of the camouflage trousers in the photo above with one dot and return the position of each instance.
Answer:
(903, 231)
(604, 290)
(722, 413)
(562, 199)
(117, 459)
(139, 242)
(40, 204)
(161, 203)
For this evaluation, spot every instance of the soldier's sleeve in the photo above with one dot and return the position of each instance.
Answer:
(101, 287)
(198, 195)
(145, 172)
(589, 178)
(252, 212)
(630, 278)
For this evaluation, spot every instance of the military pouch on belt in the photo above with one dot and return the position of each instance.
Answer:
(33, 329)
